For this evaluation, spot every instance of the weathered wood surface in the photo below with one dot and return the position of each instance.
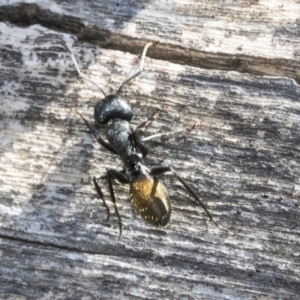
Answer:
(242, 157)
(253, 36)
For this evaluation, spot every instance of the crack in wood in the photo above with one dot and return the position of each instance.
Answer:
(26, 14)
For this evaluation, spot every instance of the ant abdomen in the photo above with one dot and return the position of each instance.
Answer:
(112, 106)
(151, 199)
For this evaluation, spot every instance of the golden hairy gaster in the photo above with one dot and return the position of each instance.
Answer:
(151, 199)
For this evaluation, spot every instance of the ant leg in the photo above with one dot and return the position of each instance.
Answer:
(144, 125)
(100, 194)
(137, 142)
(141, 68)
(118, 175)
(99, 139)
(135, 138)
(148, 138)
(151, 137)
(161, 170)
(111, 173)
(78, 70)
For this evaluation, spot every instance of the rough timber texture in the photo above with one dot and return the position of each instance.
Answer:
(253, 36)
(242, 157)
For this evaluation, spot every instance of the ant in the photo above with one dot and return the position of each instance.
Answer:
(148, 194)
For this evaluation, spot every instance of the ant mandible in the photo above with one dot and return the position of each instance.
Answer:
(148, 194)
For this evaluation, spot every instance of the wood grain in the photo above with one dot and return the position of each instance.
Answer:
(242, 157)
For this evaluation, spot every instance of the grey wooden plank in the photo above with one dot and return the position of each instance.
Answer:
(242, 158)
(259, 37)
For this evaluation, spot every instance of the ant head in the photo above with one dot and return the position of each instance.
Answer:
(112, 106)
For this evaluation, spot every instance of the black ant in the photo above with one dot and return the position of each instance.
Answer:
(147, 193)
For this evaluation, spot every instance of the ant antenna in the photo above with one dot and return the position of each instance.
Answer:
(78, 70)
(141, 68)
